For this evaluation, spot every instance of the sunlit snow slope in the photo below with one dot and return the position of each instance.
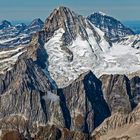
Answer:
(92, 52)
(118, 59)
(85, 55)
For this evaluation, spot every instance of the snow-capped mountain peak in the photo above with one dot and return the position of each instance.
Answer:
(72, 23)
(5, 24)
(113, 28)
(71, 42)
(36, 22)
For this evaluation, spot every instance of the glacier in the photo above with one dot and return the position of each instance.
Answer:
(100, 57)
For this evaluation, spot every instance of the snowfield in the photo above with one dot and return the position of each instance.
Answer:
(100, 57)
(132, 41)
(119, 59)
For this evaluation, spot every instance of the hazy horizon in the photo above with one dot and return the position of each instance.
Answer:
(29, 21)
(28, 10)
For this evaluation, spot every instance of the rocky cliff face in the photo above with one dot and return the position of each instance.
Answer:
(124, 121)
(72, 24)
(26, 95)
(116, 89)
(119, 126)
(83, 103)
(30, 106)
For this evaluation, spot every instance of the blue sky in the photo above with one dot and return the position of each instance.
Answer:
(29, 9)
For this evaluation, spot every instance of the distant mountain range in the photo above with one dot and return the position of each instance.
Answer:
(19, 34)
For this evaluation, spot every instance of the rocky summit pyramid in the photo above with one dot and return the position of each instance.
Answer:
(70, 82)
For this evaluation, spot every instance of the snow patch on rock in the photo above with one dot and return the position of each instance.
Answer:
(8, 58)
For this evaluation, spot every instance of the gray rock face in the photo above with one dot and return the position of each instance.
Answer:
(122, 97)
(112, 28)
(29, 94)
(27, 101)
(68, 20)
(116, 91)
(83, 105)
(120, 125)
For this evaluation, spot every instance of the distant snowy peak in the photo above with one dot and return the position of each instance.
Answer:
(8, 58)
(112, 28)
(5, 24)
(35, 26)
(36, 22)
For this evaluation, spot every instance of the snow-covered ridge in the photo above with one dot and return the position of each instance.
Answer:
(120, 59)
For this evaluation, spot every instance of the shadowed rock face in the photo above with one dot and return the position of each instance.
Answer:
(83, 104)
(135, 89)
(122, 97)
